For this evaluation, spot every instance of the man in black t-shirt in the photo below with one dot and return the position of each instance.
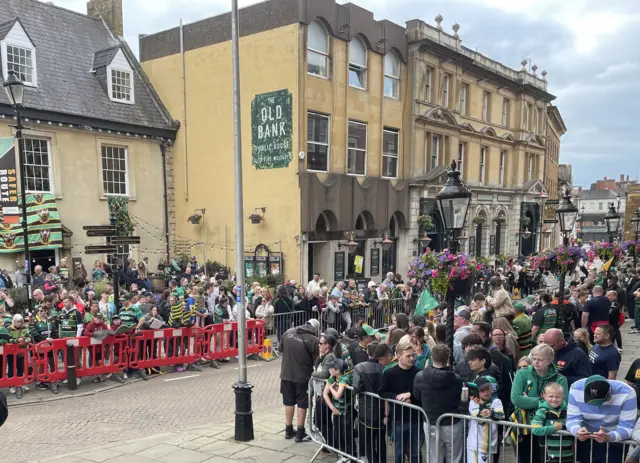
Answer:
(596, 311)
(604, 357)
(405, 423)
(633, 378)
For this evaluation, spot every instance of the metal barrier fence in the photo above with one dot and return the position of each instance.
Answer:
(277, 324)
(49, 361)
(464, 438)
(365, 427)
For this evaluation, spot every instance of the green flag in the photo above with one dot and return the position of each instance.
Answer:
(426, 303)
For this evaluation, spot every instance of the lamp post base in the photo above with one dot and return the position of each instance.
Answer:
(244, 413)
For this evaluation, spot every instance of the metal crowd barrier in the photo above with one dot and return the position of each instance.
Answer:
(277, 324)
(368, 428)
(464, 438)
(48, 362)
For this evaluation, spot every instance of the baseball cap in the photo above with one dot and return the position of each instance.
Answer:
(597, 390)
(315, 324)
(371, 284)
(338, 364)
(125, 297)
(530, 300)
(351, 333)
(147, 294)
(519, 307)
(419, 320)
(481, 383)
(366, 330)
(464, 313)
(99, 315)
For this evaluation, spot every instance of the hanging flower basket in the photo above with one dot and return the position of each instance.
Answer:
(195, 219)
(524, 222)
(256, 218)
(426, 222)
(500, 220)
(479, 220)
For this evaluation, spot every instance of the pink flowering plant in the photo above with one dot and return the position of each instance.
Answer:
(561, 258)
(606, 251)
(441, 270)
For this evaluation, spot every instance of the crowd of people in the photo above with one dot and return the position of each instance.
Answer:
(546, 363)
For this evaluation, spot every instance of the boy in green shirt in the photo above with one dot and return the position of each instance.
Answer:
(334, 396)
(550, 417)
(522, 325)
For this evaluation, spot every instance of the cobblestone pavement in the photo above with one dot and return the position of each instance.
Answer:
(146, 408)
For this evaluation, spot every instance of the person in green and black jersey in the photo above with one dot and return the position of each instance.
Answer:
(40, 329)
(129, 318)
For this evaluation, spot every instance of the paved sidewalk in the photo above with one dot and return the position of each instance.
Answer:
(212, 443)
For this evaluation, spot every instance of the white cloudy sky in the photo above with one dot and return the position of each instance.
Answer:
(590, 48)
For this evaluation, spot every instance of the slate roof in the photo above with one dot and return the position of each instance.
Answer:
(104, 57)
(65, 44)
(587, 195)
(5, 28)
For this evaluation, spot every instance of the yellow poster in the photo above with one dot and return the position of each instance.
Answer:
(358, 261)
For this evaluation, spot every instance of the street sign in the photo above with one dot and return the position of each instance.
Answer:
(100, 249)
(102, 232)
(99, 227)
(122, 240)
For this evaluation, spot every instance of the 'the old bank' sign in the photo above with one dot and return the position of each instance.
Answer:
(271, 129)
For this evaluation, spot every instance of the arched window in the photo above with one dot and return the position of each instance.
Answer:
(391, 75)
(318, 50)
(357, 64)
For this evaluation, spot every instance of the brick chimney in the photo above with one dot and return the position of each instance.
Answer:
(110, 11)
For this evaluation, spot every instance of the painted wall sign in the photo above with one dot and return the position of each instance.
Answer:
(338, 266)
(271, 130)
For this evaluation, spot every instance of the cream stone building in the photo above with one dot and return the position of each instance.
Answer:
(94, 128)
(491, 120)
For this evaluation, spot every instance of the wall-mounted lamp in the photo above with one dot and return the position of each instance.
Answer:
(385, 244)
(351, 245)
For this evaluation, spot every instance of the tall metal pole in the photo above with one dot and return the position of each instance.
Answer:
(163, 151)
(244, 415)
(204, 246)
(451, 305)
(23, 194)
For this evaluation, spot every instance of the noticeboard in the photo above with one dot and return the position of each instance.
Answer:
(338, 266)
(375, 262)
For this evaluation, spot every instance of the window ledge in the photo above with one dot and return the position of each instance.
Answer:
(104, 197)
(122, 101)
(318, 76)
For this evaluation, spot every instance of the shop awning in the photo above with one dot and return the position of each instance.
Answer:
(43, 223)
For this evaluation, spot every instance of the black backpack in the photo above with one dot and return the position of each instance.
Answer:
(4, 409)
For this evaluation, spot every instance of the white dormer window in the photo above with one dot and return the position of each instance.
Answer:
(120, 83)
(19, 55)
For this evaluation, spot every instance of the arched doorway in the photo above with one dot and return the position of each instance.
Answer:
(436, 234)
(527, 246)
(364, 222)
(501, 221)
(480, 234)
(390, 256)
(318, 251)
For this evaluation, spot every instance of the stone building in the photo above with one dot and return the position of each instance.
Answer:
(95, 128)
(334, 81)
(492, 120)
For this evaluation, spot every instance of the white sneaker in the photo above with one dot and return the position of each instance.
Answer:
(125, 375)
(12, 390)
(25, 388)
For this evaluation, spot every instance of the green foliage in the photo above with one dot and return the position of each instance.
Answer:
(269, 281)
(19, 296)
(100, 287)
(426, 222)
(119, 206)
(525, 221)
(183, 260)
(502, 257)
(479, 220)
(482, 260)
(214, 267)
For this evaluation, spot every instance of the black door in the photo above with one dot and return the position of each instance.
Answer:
(498, 239)
(479, 240)
(310, 269)
(351, 268)
(44, 258)
(389, 258)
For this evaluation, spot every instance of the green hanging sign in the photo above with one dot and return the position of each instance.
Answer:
(271, 130)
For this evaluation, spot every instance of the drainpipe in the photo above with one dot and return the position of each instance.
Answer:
(184, 108)
(163, 151)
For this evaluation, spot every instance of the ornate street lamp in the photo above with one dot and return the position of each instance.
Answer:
(567, 214)
(612, 219)
(15, 92)
(453, 202)
(635, 225)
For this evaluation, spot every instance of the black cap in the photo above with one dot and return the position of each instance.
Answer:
(419, 320)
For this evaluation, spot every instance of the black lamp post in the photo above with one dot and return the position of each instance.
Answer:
(453, 202)
(635, 224)
(15, 91)
(567, 214)
(612, 219)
